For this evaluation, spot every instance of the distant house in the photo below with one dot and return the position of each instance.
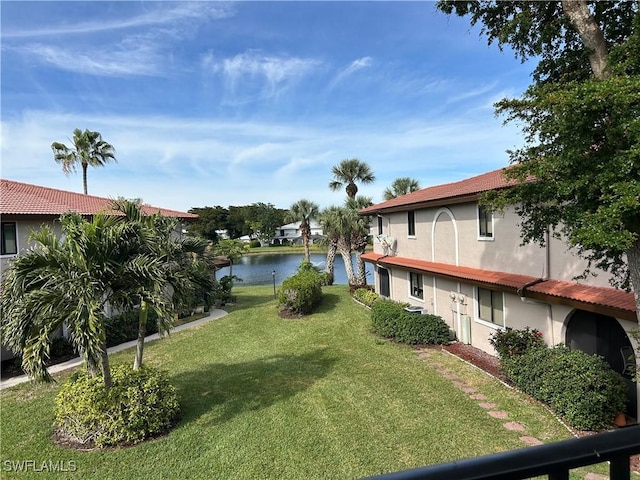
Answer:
(25, 207)
(291, 234)
(439, 249)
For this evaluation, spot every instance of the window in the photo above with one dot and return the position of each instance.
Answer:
(490, 307)
(9, 241)
(411, 223)
(485, 222)
(383, 275)
(415, 281)
(379, 225)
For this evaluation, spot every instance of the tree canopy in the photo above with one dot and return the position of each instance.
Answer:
(401, 186)
(348, 173)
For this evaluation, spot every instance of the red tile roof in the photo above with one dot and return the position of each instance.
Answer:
(26, 199)
(449, 192)
(609, 301)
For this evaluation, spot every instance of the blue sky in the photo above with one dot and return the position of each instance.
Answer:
(234, 103)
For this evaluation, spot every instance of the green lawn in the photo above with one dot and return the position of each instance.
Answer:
(265, 397)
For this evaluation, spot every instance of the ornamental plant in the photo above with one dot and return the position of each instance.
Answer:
(511, 342)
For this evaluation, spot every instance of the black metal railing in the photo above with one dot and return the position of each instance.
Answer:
(554, 460)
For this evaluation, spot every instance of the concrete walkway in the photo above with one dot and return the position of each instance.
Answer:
(74, 362)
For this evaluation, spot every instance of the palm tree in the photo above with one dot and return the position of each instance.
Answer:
(232, 250)
(69, 280)
(303, 211)
(347, 173)
(177, 270)
(359, 233)
(88, 150)
(330, 220)
(401, 186)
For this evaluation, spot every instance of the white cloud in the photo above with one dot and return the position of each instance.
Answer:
(356, 65)
(127, 59)
(252, 74)
(160, 15)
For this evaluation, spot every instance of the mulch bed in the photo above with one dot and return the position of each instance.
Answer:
(491, 365)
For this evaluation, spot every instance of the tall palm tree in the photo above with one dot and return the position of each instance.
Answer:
(303, 211)
(89, 149)
(330, 220)
(401, 186)
(359, 233)
(349, 172)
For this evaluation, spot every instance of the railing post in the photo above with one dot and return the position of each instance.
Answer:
(619, 469)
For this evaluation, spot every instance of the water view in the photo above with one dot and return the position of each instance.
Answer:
(257, 269)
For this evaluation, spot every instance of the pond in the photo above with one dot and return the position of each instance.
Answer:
(257, 269)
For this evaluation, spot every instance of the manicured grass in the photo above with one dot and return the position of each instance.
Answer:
(265, 397)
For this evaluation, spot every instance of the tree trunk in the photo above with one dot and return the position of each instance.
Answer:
(331, 257)
(84, 176)
(633, 260)
(592, 37)
(305, 241)
(142, 331)
(345, 252)
(106, 369)
(361, 269)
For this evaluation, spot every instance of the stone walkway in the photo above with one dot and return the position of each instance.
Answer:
(74, 362)
(491, 408)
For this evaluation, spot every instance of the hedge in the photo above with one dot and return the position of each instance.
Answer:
(301, 293)
(389, 319)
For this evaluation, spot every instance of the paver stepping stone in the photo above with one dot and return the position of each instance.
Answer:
(478, 396)
(487, 405)
(459, 383)
(451, 376)
(595, 476)
(518, 427)
(435, 364)
(498, 414)
(423, 356)
(531, 441)
(468, 389)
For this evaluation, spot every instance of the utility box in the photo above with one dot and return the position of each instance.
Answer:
(465, 329)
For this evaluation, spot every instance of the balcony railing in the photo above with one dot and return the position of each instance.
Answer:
(554, 460)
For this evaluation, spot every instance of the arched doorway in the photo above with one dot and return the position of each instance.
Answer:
(602, 335)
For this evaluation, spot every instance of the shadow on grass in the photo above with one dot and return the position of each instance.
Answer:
(249, 301)
(329, 302)
(223, 391)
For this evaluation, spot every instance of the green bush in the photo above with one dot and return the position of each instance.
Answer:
(254, 244)
(301, 293)
(510, 342)
(124, 326)
(389, 319)
(581, 388)
(366, 296)
(140, 404)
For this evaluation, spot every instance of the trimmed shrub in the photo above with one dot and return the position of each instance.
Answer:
(366, 296)
(510, 342)
(140, 404)
(301, 293)
(581, 388)
(254, 244)
(124, 326)
(389, 319)
(384, 317)
(415, 329)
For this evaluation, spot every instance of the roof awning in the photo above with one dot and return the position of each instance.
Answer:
(607, 301)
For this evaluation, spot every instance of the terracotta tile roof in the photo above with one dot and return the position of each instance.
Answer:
(448, 191)
(26, 199)
(609, 301)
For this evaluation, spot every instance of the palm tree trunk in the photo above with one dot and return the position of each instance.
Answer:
(305, 241)
(106, 369)
(331, 257)
(362, 271)
(84, 176)
(345, 252)
(142, 331)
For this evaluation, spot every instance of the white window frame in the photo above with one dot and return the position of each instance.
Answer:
(485, 238)
(489, 323)
(409, 235)
(421, 277)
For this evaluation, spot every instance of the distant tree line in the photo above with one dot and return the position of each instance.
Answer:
(258, 220)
